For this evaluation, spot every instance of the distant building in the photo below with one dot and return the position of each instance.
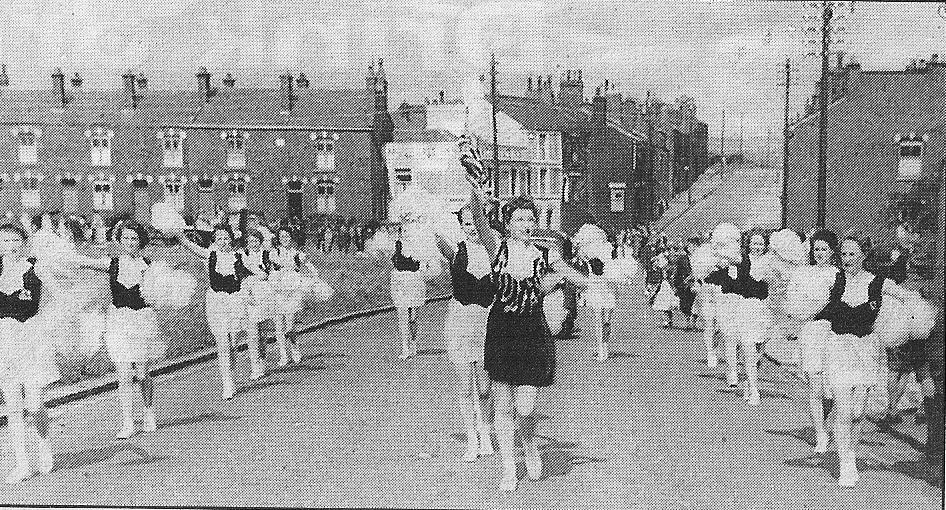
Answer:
(885, 137)
(291, 150)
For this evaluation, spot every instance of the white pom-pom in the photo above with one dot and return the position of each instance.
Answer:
(598, 250)
(726, 233)
(419, 243)
(703, 261)
(321, 291)
(787, 245)
(553, 305)
(728, 253)
(588, 235)
(415, 204)
(922, 318)
(162, 287)
(808, 292)
(164, 217)
(91, 332)
(893, 323)
(621, 270)
(381, 243)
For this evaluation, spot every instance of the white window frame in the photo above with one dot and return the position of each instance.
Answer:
(27, 142)
(326, 192)
(236, 148)
(103, 192)
(100, 146)
(325, 145)
(237, 187)
(29, 193)
(175, 189)
(172, 144)
(618, 196)
(403, 178)
(910, 166)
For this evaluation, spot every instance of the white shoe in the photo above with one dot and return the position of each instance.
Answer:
(127, 430)
(603, 352)
(296, 354)
(732, 379)
(149, 422)
(849, 475)
(821, 442)
(472, 450)
(256, 373)
(509, 481)
(711, 361)
(405, 355)
(283, 357)
(486, 441)
(44, 453)
(20, 472)
(228, 392)
(754, 399)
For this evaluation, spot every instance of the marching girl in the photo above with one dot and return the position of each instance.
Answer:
(132, 337)
(465, 332)
(290, 287)
(27, 364)
(594, 252)
(703, 263)
(808, 291)
(260, 297)
(519, 352)
(726, 241)
(225, 305)
(854, 344)
(752, 312)
(408, 285)
(665, 300)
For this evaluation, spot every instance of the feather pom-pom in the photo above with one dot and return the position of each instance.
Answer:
(728, 253)
(808, 292)
(164, 217)
(163, 287)
(703, 261)
(892, 325)
(787, 245)
(589, 235)
(726, 233)
(553, 305)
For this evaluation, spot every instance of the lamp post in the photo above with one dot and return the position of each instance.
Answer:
(823, 90)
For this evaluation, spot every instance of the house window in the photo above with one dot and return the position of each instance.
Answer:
(402, 176)
(911, 158)
(618, 190)
(102, 198)
(174, 188)
(27, 138)
(294, 196)
(172, 141)
(29, 196)
(543, 181)
(555, 147)
(325, 191)
(236, 186)
(236, 148)
(324, 150)
(543, 147)
(101, 143)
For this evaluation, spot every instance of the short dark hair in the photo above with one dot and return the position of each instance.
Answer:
(13, 227)
(830, 238)
(297, 236)
(143, 237)
(256, 233)
(516, 203)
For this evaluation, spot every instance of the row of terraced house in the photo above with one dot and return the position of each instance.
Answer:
(297, 149)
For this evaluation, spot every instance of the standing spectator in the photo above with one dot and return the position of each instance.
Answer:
(683, 281)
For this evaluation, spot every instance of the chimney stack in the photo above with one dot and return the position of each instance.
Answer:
(302, 82)
(141, 81)
(76, 81)
(203, 84)
(4, 79)
(228, 81)
(59, 88)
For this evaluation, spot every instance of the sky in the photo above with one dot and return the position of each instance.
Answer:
(726, 54)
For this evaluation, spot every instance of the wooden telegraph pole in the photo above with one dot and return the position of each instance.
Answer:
(785, 134)
(492, 91)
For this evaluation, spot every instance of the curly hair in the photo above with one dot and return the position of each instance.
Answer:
(223, 227)
(138, 228)
(831, 239)
(516, 203)
(297, 236)
(747, 238)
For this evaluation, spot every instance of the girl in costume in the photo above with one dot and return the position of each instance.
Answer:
(290, 287)
(519, 351)
(703, 262)
(132, 337)
(807, 294)
(259, 293)
(27, 364)
(726, 242)
(683, 284)
(225, 305)
(665, 300)
(465, 332)
(594, 253)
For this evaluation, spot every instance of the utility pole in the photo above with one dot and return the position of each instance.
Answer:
(650, 158)
(722, 143)
(827, 13)
(492, 91)
(742, 158)
(785, 134)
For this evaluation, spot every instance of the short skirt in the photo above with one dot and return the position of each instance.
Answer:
(753, 320)
(706, 297)
(853, 360)
(261, 302)
(465, 332)
(813, 341)
(666, 299)
(26, 355)
(408, 289)
(133, 335)
(598, 295)
(519, 349)
(225, 312)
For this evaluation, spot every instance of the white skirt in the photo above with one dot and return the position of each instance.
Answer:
(260, 301)
(465, 331)
(26, 357)
(133, 336)
(753, 320)
(666, 298)
(813, 341)
(852, 360)
(598, 295)
(706, 297)
(408, 289)
(225, 312)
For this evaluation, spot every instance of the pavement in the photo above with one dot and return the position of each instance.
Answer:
(352, 425)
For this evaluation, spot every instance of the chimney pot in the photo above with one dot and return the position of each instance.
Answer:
(302, 81)
(442, 97)
(229, 81)
(529, 84)
(4, 79)
(59, 87)
(76, 81)
(142, 81)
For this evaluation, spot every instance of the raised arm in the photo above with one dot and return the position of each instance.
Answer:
(97, 263)
(195, 248)
(482, 225)
(445, 247)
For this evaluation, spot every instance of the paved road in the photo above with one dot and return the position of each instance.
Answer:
(353, 426)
